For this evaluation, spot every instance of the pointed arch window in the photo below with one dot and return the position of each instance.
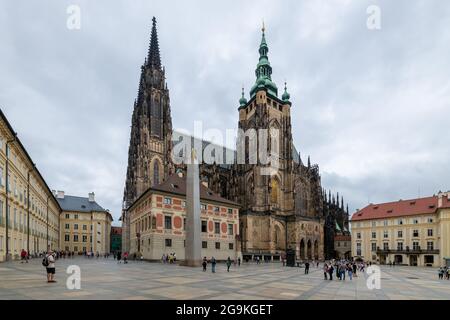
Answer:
(156, 173)
(274, 192)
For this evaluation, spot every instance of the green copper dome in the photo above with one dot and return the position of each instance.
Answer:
(242, 100)
(263, 71)
(286, 96)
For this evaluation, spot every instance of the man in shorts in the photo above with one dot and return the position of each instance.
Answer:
(51, 266)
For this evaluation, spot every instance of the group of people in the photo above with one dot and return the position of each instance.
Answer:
(341, 268)
(119, 257)
(169, 258)
(213, 263)
(444, 272)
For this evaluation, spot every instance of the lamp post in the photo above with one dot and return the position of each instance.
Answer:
(7, 193)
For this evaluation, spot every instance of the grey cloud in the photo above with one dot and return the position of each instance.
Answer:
(368, 106)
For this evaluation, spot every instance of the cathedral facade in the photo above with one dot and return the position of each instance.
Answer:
(285, 210)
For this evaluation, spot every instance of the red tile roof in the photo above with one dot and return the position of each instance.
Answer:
(342, 238)
(400, 208)
(177, 185)
(116, 230)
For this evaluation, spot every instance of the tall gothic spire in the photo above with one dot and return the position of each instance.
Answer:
(154, 58)
(263, 70)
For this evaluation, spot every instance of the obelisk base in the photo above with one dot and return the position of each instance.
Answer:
(191, 263)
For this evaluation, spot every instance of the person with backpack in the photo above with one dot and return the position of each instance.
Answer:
(49, 263)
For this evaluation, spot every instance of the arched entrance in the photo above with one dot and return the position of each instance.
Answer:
(302, 249)
(316, 250)
(398, 259)
(309, 250)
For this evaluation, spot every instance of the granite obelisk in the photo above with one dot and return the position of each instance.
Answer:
(193, 254)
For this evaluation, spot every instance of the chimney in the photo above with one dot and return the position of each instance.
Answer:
(60, 194)
(91, 197)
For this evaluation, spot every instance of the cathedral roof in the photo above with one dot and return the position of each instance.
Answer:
(400, 208)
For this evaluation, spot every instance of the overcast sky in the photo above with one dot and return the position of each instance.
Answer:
(371, 107)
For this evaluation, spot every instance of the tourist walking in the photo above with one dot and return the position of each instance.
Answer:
(350, 272)
(228, 264)
(125, 258)
(307, 267)
(119, 257)
(23, 256)
(441, 273)
(325, 271)
(204, 264)
(239, 262)
(213, 265)
(49, 263)
(330, 271)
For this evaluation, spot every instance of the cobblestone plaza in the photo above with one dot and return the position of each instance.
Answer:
(106, 280)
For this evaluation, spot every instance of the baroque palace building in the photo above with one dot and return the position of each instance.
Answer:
(29, 213)
(410, 232)
(85, 225)
(286, 210)
(35, 218)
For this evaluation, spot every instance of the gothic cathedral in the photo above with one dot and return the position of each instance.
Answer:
(288, 210)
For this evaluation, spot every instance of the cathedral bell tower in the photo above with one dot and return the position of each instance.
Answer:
(149, 155)
(266, 199)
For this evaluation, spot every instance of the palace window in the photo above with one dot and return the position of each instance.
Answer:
(385, 223)
(430, 220)
(374, 223)
(167, 200)
(75, 226)
(67, 216)
(415, 233)
(230, 229)
(204, 226)
(374, 235)
(400, 246)
(358, 249)
(203, 206)
(415, 221)
(430, 245)
(168, 242)
(415, 245)
(75, 238)
(230, 211)
(67, 238)
(231, 246)
(430, 232)
(217, 227)
(374, 247)
(218, 245)
(184, 224)
(168, 222)
(385, 246)
(216, 209)
(204, 244)
(358, 235)
(400, 221)
(400, 234)
(385, 234)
